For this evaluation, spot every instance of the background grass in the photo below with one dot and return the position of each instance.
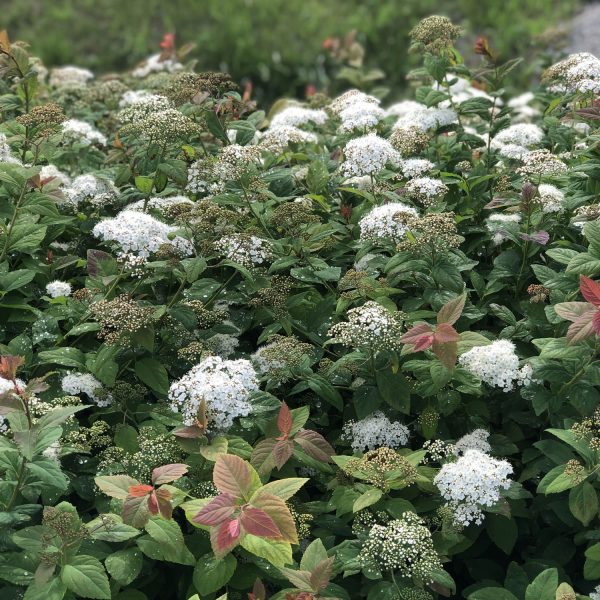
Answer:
(275, 43)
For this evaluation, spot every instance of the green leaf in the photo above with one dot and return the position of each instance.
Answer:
(68, 357)
(394, 389)
(13, 280)
(369, 498)
(211, 573)
(492, 593)
(313, 555)
(85, 576)
(144, 184)
(543, 586)
(125, 565)
(54, 589)
(278, 554)
(583, 503)
(502, 531)
(153, 374)
(170, 539)
(283, 488)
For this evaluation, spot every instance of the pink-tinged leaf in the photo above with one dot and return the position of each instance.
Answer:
(590, 290)
(232, 475)
(168, 473)
(258, 591)
(539, 237)
(285, 420)
(446, 353)
(299, 579)
(314, 444)
(321, 574)
(445, 333)
(165, 507)
(572, 310)
(596, 322)
(216, 511)
(225, 537)
(416, 333)
(277, 509)
(94, 258)
(153, 503)
(282, 451)
(190, 431)
(451, 311)
(135, 511)
(139, 491)
(581, 328)
(262, 456)
(116, 486)
(257, 522)
(424, 342)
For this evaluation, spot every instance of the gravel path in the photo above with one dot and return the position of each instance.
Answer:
(585, 30)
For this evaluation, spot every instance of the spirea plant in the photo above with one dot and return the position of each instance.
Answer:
(344, 349)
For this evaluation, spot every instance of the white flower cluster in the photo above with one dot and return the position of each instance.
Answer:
(386, 222)
(296, 116)
(476, 440)
(426, 118)
(577, 73)
(595, 595)
(497, 365)
(462, 90)
(416, 167)
(249, 251)
(277, 139)
(551, 198)
(142, 107)
(472, 483)
(85, 383)
(368, 155)
(134, 96)
(225, 386)
(87, 188)
(349, 98)
(401, 109)
(523, 111)
(426, 190)
(53, 172)
(8, 386)
(154, 64)
(140, 234)
(370, 325)
(69, 76)
(361, 115)
(516, 141)
(74, 130)
(57, 289)
(5, 155)
(375, 431)
(159, 203)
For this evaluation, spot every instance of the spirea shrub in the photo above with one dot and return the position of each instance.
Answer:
(344, 349)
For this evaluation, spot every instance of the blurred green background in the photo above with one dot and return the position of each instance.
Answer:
(277, 44)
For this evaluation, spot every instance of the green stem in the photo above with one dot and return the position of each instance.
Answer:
(11, 225)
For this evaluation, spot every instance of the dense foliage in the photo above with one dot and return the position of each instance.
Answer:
(277, 44)
(344, 351)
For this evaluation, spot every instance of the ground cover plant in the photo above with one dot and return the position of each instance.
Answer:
(339, 350)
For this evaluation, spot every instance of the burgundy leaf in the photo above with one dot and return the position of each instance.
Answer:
(138, 491)
(444, 333)
(153, 503)
(314, 444)
(321, 574)
(416, 333)
(225, 537)
(232, 475)
(94, 257)
(285, 420)
(590, 290)
(451, 311)
(135, 511)
(581, 328)
(216, 511)
(190, 431)
(539, 237)
(163, 498)
(257, 522)
(596, 321)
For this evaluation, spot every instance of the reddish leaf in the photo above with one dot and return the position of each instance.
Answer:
(590, 290)
(321, 574)
(225, 537)
(258, 591)
(539, 237)
(257, 522)
(451, 311)
(572, 310)
(135, 511)
(277, 509)
(168, 473)
(581, 328)
(284, 420)
(232, 475)
(596, 321)
(447, 353)
(153, 503)
(314, 444)
(416, 335)
(282, 451)
(9, 366)
(163, 497)
(216, 511)
(116, 486)
(94, 258)
(138, 491)
(424, 342)
(444, 333)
